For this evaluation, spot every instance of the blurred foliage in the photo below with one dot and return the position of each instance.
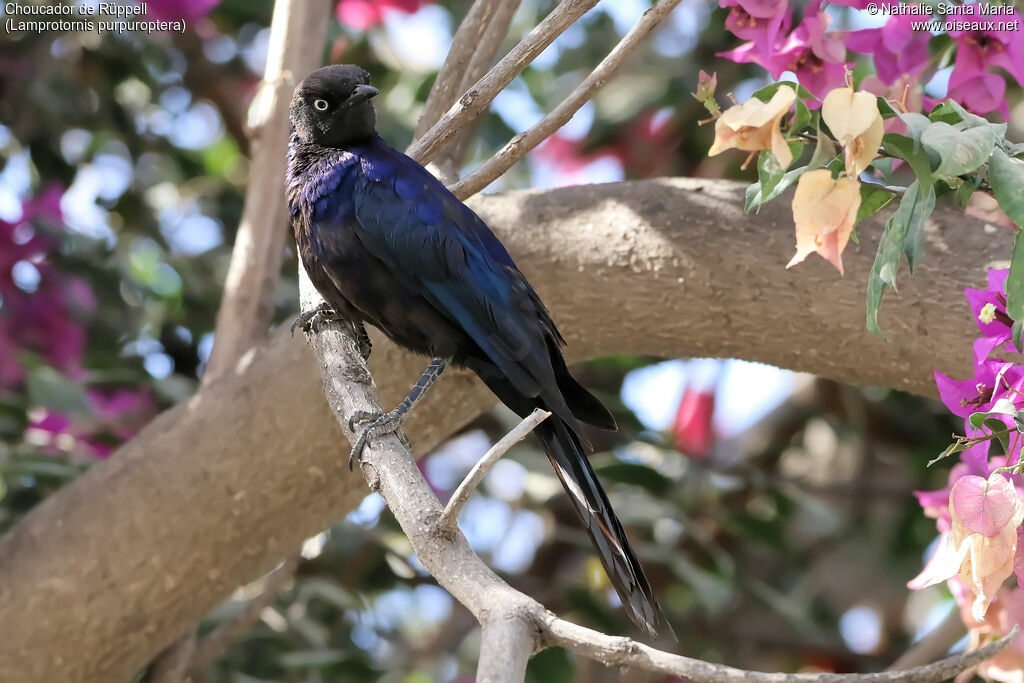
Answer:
(758, 551)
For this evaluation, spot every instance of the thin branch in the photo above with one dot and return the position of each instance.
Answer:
(476, 99)
(506, 645)
(449, 77)
(450, 517)
(220, 639)
(483, 58)
(521, 144)
(621, 652)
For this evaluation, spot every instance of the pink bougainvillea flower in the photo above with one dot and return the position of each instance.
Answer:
(122, 412)
(996, 48)
(114, 417)
(179, 10)
(898, 50)
(1005, 612)
(363, 14)
(693, 430)
(981, 93)
(759, 21)
(993, 379)
(936, 503)
(48, 319)
(982, 541)
(989, 309)
(814, 55)
(972, 82)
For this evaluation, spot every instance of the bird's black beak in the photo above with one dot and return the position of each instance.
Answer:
(363, 92)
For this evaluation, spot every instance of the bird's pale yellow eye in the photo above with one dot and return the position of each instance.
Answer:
(320, 105)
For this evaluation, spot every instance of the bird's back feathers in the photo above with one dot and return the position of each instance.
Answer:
(385, 242)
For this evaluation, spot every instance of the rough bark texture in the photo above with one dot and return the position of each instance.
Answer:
(215, 491)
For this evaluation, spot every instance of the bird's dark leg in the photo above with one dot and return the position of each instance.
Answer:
(378, 424)
(314, 318)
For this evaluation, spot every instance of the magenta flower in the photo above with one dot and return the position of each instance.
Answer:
(47, 320)
(898, 49)
(122, 412)
(981, 391)
(179, 10)
(989, 309)
(759, 21)
(116, 416)
(814, 55)
(972, 83)
(363, 14)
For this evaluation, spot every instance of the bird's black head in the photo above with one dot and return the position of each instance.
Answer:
(332, 107)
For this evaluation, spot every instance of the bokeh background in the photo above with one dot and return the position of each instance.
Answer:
(772, 510)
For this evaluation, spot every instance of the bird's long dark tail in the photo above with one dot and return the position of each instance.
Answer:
(570, 461)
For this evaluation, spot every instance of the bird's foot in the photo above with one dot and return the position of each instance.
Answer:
(377, 424)
(314, 319)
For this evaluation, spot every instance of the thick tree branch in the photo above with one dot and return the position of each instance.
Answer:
(298, 30)
(520, 145)
(514, 625)
(106, 572)
(247, 304)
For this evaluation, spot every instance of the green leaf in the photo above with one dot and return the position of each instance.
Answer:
(1018, 335)
(973, 120)
(913, 245)
(750, 196)
(885, 109)
(916, 125)
(913, 209)
(998, 429)
(824, 151)
(552, 664)
(769, 171)
(959, 151)
(903, 147)
(801, 119)
(311, 659)
(754, 198)
(1006, 176)
(1015, 280)
(872, 200)
(951, 449)
(51, 389)
(765, 93)
(638, 475)
(966, 189)
(1003, 406)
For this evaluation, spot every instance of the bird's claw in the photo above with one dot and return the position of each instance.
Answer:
(314, 319)
(377, 424)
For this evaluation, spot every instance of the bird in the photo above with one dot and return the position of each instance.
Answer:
(384, 242)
